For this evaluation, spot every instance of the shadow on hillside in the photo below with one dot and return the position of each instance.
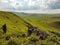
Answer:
(56, 24)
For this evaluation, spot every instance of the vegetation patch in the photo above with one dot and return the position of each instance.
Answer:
(56, 24)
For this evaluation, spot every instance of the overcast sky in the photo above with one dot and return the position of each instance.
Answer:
(30, 5)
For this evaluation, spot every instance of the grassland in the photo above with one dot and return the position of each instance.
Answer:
(15, 26)
(17, 30)
(50, 23)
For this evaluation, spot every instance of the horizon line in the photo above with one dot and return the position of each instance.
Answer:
(56, 11)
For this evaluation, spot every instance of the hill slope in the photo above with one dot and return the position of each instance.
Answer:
(17, 30)
(13, 22)
(15, 26)
(50, 23)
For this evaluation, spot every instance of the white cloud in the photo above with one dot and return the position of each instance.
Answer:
(31, 3)
(14, 5)
(11, 0)
(3, 1)
(28, 4)
(25, 0)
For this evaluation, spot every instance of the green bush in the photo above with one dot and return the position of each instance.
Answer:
(11, 42)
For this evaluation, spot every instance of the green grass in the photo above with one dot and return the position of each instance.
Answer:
(15, 26)
(16, 29)
(45, 22)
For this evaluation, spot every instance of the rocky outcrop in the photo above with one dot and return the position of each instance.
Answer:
(41, 34)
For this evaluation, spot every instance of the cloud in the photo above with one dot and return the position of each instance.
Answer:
(55, 5)
(3, 1)
(30, 4)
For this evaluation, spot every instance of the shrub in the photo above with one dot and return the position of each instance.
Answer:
(11, 42)
(7, 37)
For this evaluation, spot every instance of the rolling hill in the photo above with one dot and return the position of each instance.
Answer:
(43, 29)
(50, 23)
(14, 24)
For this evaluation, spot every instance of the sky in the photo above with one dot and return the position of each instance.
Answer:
(30, 5)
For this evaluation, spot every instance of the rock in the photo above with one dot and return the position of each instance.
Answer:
(4, 27)
(30, 30)
(42, 36)
(7, 37)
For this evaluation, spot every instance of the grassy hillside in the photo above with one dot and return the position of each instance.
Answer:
(12, 21)
(44, 21)
(15, 26)
(45, 29)
(50, 23)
